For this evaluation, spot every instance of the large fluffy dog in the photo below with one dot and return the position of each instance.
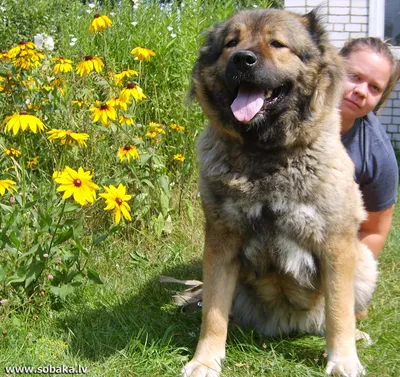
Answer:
(281, 205)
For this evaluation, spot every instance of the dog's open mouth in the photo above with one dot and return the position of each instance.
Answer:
(250, 101)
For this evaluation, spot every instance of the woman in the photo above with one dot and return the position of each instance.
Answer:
(371, 74)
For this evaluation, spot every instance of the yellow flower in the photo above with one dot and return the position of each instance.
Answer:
(77, 184)
(33, 162)
(128, 151)
(56, 173)
(143, 53)
(179, 157)
(68, 137)
(132, 90)
(103, 112)
(9, 168)
(23, 121)
(12, 152)
(63, 65)
(125, 73)
(176, 127)
(117, 102)
(99, 23)
(116, 200)
(126, 120)
(6, 184)
(25, 55)
(20, 48)
(79, 103)
(90, 64)
(154, 130)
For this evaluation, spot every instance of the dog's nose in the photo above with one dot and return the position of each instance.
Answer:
(243, 60)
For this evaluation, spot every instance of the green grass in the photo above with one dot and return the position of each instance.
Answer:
(129, 326)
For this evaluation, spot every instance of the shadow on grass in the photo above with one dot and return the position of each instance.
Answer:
(147, 318)
(150, 319)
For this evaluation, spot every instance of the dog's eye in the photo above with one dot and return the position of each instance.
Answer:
(277, 44)
(231, 43)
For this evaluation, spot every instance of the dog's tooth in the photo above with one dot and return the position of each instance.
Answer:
(268, 93)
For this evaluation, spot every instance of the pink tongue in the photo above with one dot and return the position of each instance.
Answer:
(247, 104)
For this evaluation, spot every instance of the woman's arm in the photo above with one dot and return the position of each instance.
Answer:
(374, 230)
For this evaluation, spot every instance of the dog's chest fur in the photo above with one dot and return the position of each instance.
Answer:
(269, 199)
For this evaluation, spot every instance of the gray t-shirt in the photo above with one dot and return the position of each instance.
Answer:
(377, 172)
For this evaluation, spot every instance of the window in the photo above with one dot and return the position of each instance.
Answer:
(392, 21)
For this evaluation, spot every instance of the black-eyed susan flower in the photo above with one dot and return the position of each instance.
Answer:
(177, 127)
(62, 65)
(77, 184)
(68, 137)
(103, 112)
(143, 53)
(9, 168)
(56, 174)
(99, 23)
(118, 103)
(90, 64)
(28, 59)
(125, 120)
(23, 121)
(116, 201)
(33, 162)
(6, 184)
(21, 47)
(79, 103)
(127, 152)
(11, 152)
(132, 90)
(119, 77)
(179, 157)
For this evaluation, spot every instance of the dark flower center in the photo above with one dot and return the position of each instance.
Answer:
(131, 85)
(119, 201)
(127, 147)
(104, 106)
(96, 15)
(23, 113)
(77, 182)
(89, 57)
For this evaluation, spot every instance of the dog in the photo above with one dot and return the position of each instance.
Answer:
(282, 209)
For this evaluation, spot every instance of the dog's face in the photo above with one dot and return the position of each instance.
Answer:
(262, 71)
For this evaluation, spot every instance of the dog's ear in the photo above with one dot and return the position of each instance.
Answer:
(213, 45)
(314, 24)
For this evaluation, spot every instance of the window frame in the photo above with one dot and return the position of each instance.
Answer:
(376, 24)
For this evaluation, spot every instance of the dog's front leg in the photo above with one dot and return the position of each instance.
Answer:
(220, 273)
(338, 269)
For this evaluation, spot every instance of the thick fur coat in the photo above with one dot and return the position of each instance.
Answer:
(281, 206)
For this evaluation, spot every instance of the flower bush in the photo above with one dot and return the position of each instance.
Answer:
(95, 138)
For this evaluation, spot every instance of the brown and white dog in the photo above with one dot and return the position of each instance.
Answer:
(282, 209)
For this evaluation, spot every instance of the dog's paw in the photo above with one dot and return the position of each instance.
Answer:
(201, 369)
(345, 367)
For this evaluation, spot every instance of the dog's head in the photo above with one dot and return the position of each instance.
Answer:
(265, 74)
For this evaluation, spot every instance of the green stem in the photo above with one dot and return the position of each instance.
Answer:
(56, 228)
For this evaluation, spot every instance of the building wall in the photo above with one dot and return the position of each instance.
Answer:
(346, 19)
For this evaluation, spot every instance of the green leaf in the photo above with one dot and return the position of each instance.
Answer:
(158, 225)
(62, 237)
(164, 183)
(99, 239)
(71, 207)
(94, 276)
(62, 291)
(189, 212)
(164, 204)
(33, 273)
(2, 274)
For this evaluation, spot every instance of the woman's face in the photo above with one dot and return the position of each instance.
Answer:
(367, 75)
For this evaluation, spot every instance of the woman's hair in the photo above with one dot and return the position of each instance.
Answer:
(381, 48)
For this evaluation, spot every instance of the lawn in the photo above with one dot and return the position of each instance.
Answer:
(78, 290)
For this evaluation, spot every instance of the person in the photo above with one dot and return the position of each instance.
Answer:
(371, 74)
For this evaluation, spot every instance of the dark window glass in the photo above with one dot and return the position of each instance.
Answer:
(392, 21)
